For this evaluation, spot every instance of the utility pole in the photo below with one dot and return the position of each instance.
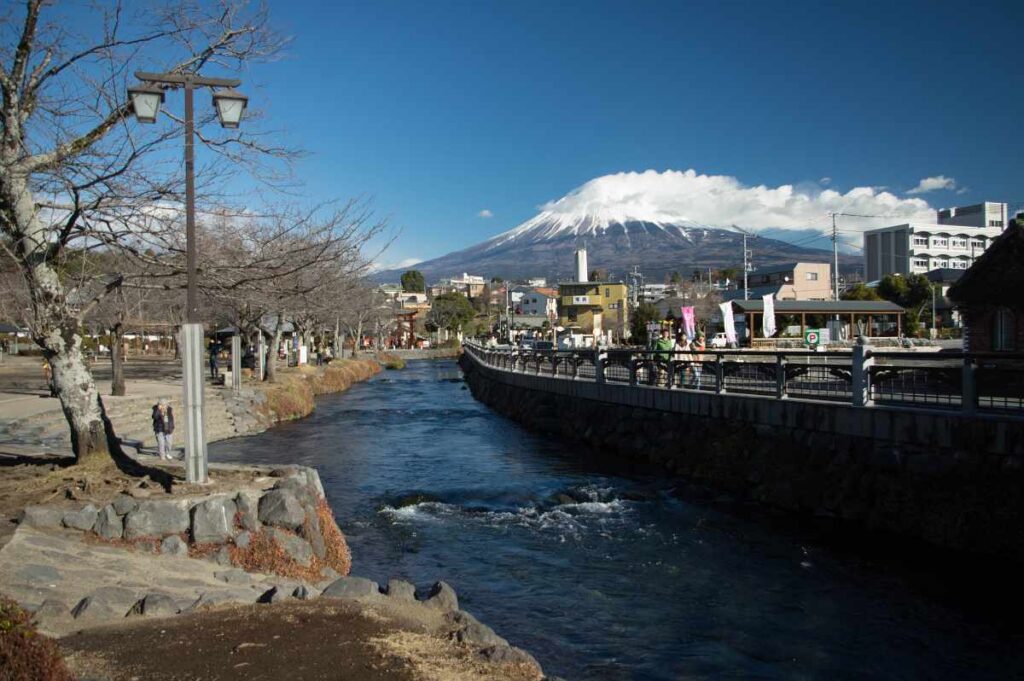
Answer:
(835, 260)
(746, 267)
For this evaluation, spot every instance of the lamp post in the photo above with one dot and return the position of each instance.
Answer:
(230, 105)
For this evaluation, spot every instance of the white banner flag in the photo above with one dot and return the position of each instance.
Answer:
(728, 322)
(768, 318)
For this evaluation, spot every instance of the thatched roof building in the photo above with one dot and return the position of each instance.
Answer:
(991, 294)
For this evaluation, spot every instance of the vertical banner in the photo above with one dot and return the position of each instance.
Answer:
(689, 323)
(728, 322)
(768, 318)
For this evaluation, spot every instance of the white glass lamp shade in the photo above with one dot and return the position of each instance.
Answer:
(230, 106)
(146, 101)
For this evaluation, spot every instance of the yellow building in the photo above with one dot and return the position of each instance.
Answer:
(594, 307)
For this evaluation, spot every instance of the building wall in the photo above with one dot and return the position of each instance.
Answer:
(979, 328)
(920, 248)
(988, 214)
(608, 300)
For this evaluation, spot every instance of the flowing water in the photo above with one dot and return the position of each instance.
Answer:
(613, 572)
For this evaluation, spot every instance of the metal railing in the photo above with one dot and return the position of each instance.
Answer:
(955, 381)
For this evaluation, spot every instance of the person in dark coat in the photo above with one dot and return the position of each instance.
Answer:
(163, 428)
(215, 348)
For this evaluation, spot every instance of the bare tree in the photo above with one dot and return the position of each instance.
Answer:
(73, 173)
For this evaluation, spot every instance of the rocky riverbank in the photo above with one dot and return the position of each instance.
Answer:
(256, 557)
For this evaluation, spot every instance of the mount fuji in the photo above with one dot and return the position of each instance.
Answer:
(664, 222)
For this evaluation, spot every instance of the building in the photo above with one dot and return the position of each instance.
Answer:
(652, 293)
(986, 214)
(539, 301)
(959, 236)
(593, 307)
(989, 295)
(789, 281)
(469, 285)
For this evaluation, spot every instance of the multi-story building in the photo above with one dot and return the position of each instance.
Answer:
(916, 248)
(469, 285)
(793, 281)
(535, 300)
(593, 307)
(986, 214)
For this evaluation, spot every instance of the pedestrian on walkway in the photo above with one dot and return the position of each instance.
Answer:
(697, 347)
(163, 428)
(215, 348)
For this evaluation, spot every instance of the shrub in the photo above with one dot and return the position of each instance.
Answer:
(390, 361)
(25, 654)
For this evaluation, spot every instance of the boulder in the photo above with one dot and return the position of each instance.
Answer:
(352, 588)
(51, 609)
(401, 590)
(106, 602)
(247, 505)
(108, 523)
(124, 504)
(222, 556)
(83, 519)
(471, 631)
(302, 490)
(243, 539)
(311, 532)
(212, 599)
(156, 519)
(280, 508)
(44, 517)
(296, 547)
(154, 604)
(442, 597)
(275, 594)
(506, 653)
(174, 546)
(303, 593)
(213, 521)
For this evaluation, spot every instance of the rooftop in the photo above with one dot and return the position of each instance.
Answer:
(821, 306)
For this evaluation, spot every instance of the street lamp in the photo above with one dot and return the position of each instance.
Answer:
(230, 105)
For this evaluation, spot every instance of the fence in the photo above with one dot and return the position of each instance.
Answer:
(967, 382)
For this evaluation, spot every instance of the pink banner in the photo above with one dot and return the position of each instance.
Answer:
(689, 323)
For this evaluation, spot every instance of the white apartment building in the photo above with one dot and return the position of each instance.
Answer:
(916, 248)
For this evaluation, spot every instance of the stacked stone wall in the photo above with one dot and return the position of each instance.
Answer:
(949, 480)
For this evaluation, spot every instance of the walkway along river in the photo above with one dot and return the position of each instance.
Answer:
(604, 572)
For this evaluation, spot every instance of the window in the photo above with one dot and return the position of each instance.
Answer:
(944, 264)
(921, 263)
(940, 242)
(1002, 329)
(995, 223)
(920, 240)
(573, 314)
(958, 242)
(607, 293)
(812, 276)
(978, 244)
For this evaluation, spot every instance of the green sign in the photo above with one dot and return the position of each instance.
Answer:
(812, 336)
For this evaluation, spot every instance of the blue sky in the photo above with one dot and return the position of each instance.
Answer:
(442, 110)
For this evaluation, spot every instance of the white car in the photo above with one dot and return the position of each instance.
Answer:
(719, 341)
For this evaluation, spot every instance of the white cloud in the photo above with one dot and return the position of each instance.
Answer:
(825, 181)
(485, 213)
(678, 197)
(401, 264)
(931, 184)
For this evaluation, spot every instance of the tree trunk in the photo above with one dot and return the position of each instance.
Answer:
(57, 330)
(272, 354)
(117, 360)
(358, 340)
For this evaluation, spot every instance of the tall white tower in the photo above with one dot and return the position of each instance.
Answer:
(581, 264)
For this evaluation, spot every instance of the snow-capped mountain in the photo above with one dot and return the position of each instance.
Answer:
(669, 221)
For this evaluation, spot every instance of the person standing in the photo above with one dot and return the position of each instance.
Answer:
(215, 348)
(663, 349)
(697, 347)
(163, 428)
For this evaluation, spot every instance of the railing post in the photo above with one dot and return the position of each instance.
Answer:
(860, 375)
(970, 387)
(780, 377)
(575, 366)
(719, 375)
(554, 363)
(671, 372)
(598, 367)
(632, 370)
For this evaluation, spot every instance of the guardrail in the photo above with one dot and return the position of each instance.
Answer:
(966, 382)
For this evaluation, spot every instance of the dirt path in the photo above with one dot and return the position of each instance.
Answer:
(340, 641)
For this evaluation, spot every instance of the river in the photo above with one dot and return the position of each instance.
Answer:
(607, 571)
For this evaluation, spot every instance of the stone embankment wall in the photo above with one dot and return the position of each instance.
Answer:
(952, 481)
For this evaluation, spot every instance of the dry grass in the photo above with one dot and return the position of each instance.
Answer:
(390, 361)
(25, 654)
(292, 395)
(265, 554)
(434, 659)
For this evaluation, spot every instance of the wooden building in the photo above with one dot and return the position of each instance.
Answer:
(990, 295)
